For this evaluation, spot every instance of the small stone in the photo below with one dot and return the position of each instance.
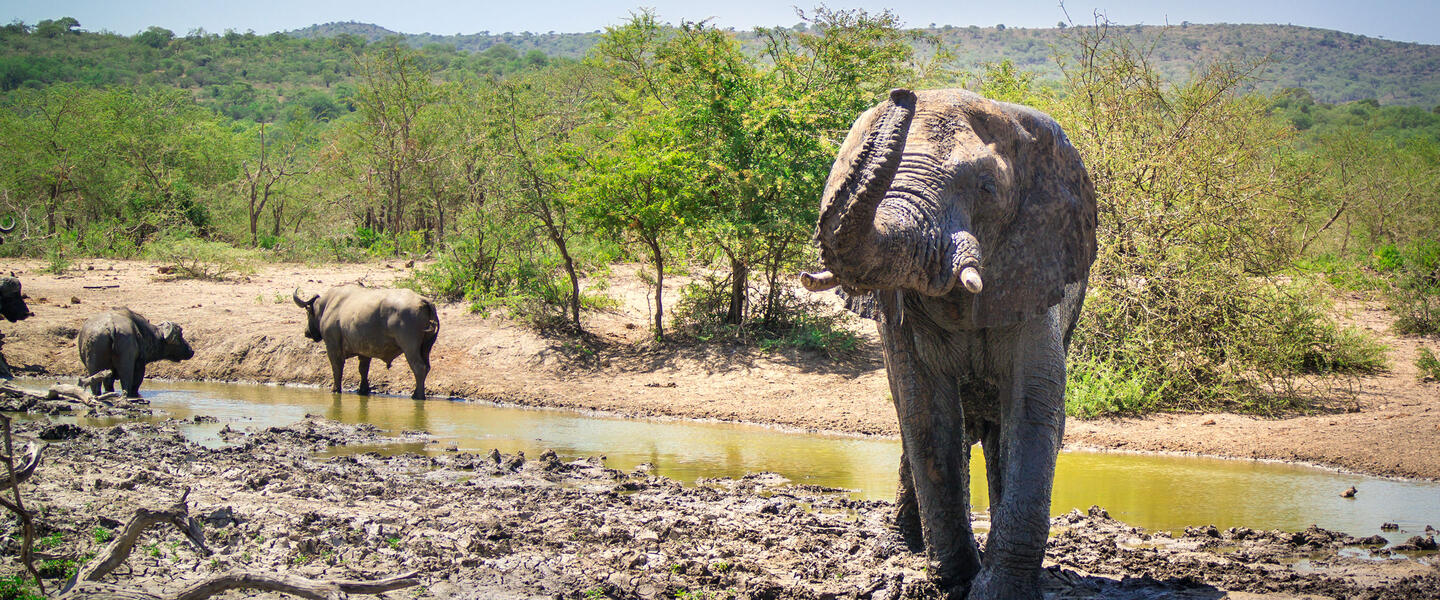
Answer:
(74, 299)
(1349, 493)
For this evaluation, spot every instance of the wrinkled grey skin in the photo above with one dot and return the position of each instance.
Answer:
(12, 300)
(968, 228)
(370, 323)
(124, 342)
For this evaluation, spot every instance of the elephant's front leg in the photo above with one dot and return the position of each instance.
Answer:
(937, 454)
(1021, 450)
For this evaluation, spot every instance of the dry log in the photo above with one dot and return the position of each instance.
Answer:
(26, 469)
(72, 393)
(331, 589)
(86, 585)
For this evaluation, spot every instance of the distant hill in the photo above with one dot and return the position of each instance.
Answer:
(1334, 66)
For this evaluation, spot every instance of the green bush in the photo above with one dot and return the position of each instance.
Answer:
(16, 587)
(1413, 292)
(195, 258)
(795, 323)
(1428, 364)
(1097, 388)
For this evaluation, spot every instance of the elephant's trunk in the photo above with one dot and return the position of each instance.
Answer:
(903, 246)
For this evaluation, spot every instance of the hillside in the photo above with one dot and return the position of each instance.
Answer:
(1334, 67)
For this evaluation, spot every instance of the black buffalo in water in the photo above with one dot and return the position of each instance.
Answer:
(12, 307)
(372, 323)
(124, 342)
(12, 301)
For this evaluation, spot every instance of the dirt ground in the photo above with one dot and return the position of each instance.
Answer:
(515, 527)
(249, 330)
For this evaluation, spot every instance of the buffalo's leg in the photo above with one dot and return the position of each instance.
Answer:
(1030, 430)
(932, 433)
(420, 366)
(94, 365)
(124, 367)
(133, 388)
(364, 376)
(337, 364)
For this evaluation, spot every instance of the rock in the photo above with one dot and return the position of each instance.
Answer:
(1373, 540)
(1350, 493)
(1389, 527)
(74, 299)
(1096, 511)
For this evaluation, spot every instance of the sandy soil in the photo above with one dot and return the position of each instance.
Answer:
(249, 330)
(512, 527)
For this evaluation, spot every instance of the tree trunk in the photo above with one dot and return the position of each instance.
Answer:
(574, 279)
(739, 291)
(659, 261)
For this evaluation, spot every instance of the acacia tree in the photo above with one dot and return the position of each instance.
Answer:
(395, 86)
(47, 136)
(275, 159)
(642, 189)
(539, 130)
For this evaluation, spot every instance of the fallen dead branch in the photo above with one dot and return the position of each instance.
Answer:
(79, 393)
(12, 481)
(85, 584)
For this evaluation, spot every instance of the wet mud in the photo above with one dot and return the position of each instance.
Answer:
(491, 525)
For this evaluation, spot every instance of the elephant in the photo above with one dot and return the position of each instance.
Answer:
(124, 342)
(371, 323)
(966, 228)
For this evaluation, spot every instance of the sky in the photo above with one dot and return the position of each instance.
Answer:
(1397, 20)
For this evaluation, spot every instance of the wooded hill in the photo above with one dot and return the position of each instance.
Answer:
(1335, 67)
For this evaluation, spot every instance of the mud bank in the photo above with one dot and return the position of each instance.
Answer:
(511, 526)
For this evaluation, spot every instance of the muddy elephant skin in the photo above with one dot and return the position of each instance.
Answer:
(124, 342)
(966, 227)
(372, 323)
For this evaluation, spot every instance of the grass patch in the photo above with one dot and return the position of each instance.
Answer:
(1428, 364)
(193, 258)
(16, 587)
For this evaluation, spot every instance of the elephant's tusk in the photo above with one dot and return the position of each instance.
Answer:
(818, 282)
(970, 277)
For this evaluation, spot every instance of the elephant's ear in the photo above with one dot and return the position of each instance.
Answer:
(1050, 241)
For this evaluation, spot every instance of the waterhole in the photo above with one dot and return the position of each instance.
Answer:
(1151, 491)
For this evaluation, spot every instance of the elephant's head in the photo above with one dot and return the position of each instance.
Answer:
(983, 204)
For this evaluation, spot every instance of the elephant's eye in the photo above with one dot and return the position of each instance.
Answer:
(988, 186)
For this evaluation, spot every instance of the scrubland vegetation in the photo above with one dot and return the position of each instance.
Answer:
(1229, 219)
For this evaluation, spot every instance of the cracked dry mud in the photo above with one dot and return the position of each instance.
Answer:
(511, 526)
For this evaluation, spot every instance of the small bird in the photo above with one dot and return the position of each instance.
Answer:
(1350, 493)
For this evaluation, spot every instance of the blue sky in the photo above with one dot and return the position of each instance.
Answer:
(1399, 20)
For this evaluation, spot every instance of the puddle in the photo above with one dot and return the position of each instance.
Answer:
(1154, 492)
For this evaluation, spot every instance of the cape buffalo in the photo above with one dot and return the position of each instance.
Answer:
(371, 323)
(12, 302)
(124, 342)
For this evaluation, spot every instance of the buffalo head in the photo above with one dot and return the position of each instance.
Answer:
(172, 342)
(12, 302)
(312, 320)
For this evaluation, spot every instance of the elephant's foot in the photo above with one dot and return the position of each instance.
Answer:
(907, 524)
(992, 585)
(364, 390)
(418, 395)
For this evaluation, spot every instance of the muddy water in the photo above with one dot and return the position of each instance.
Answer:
(1155, 492)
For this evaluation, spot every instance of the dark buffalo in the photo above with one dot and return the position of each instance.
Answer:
(371, 323)
(124, 342)
(12, 302)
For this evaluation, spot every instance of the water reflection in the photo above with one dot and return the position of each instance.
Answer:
(1155, 492)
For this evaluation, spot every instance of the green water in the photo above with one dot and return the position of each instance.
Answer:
(1155, 492)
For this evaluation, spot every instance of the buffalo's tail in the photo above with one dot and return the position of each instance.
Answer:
(432, 329)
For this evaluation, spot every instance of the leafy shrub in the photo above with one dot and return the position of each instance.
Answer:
(1428, 364)
(202, 259)
(1413, 293)
(16, 587)
(1098, 388)
(795, 322)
